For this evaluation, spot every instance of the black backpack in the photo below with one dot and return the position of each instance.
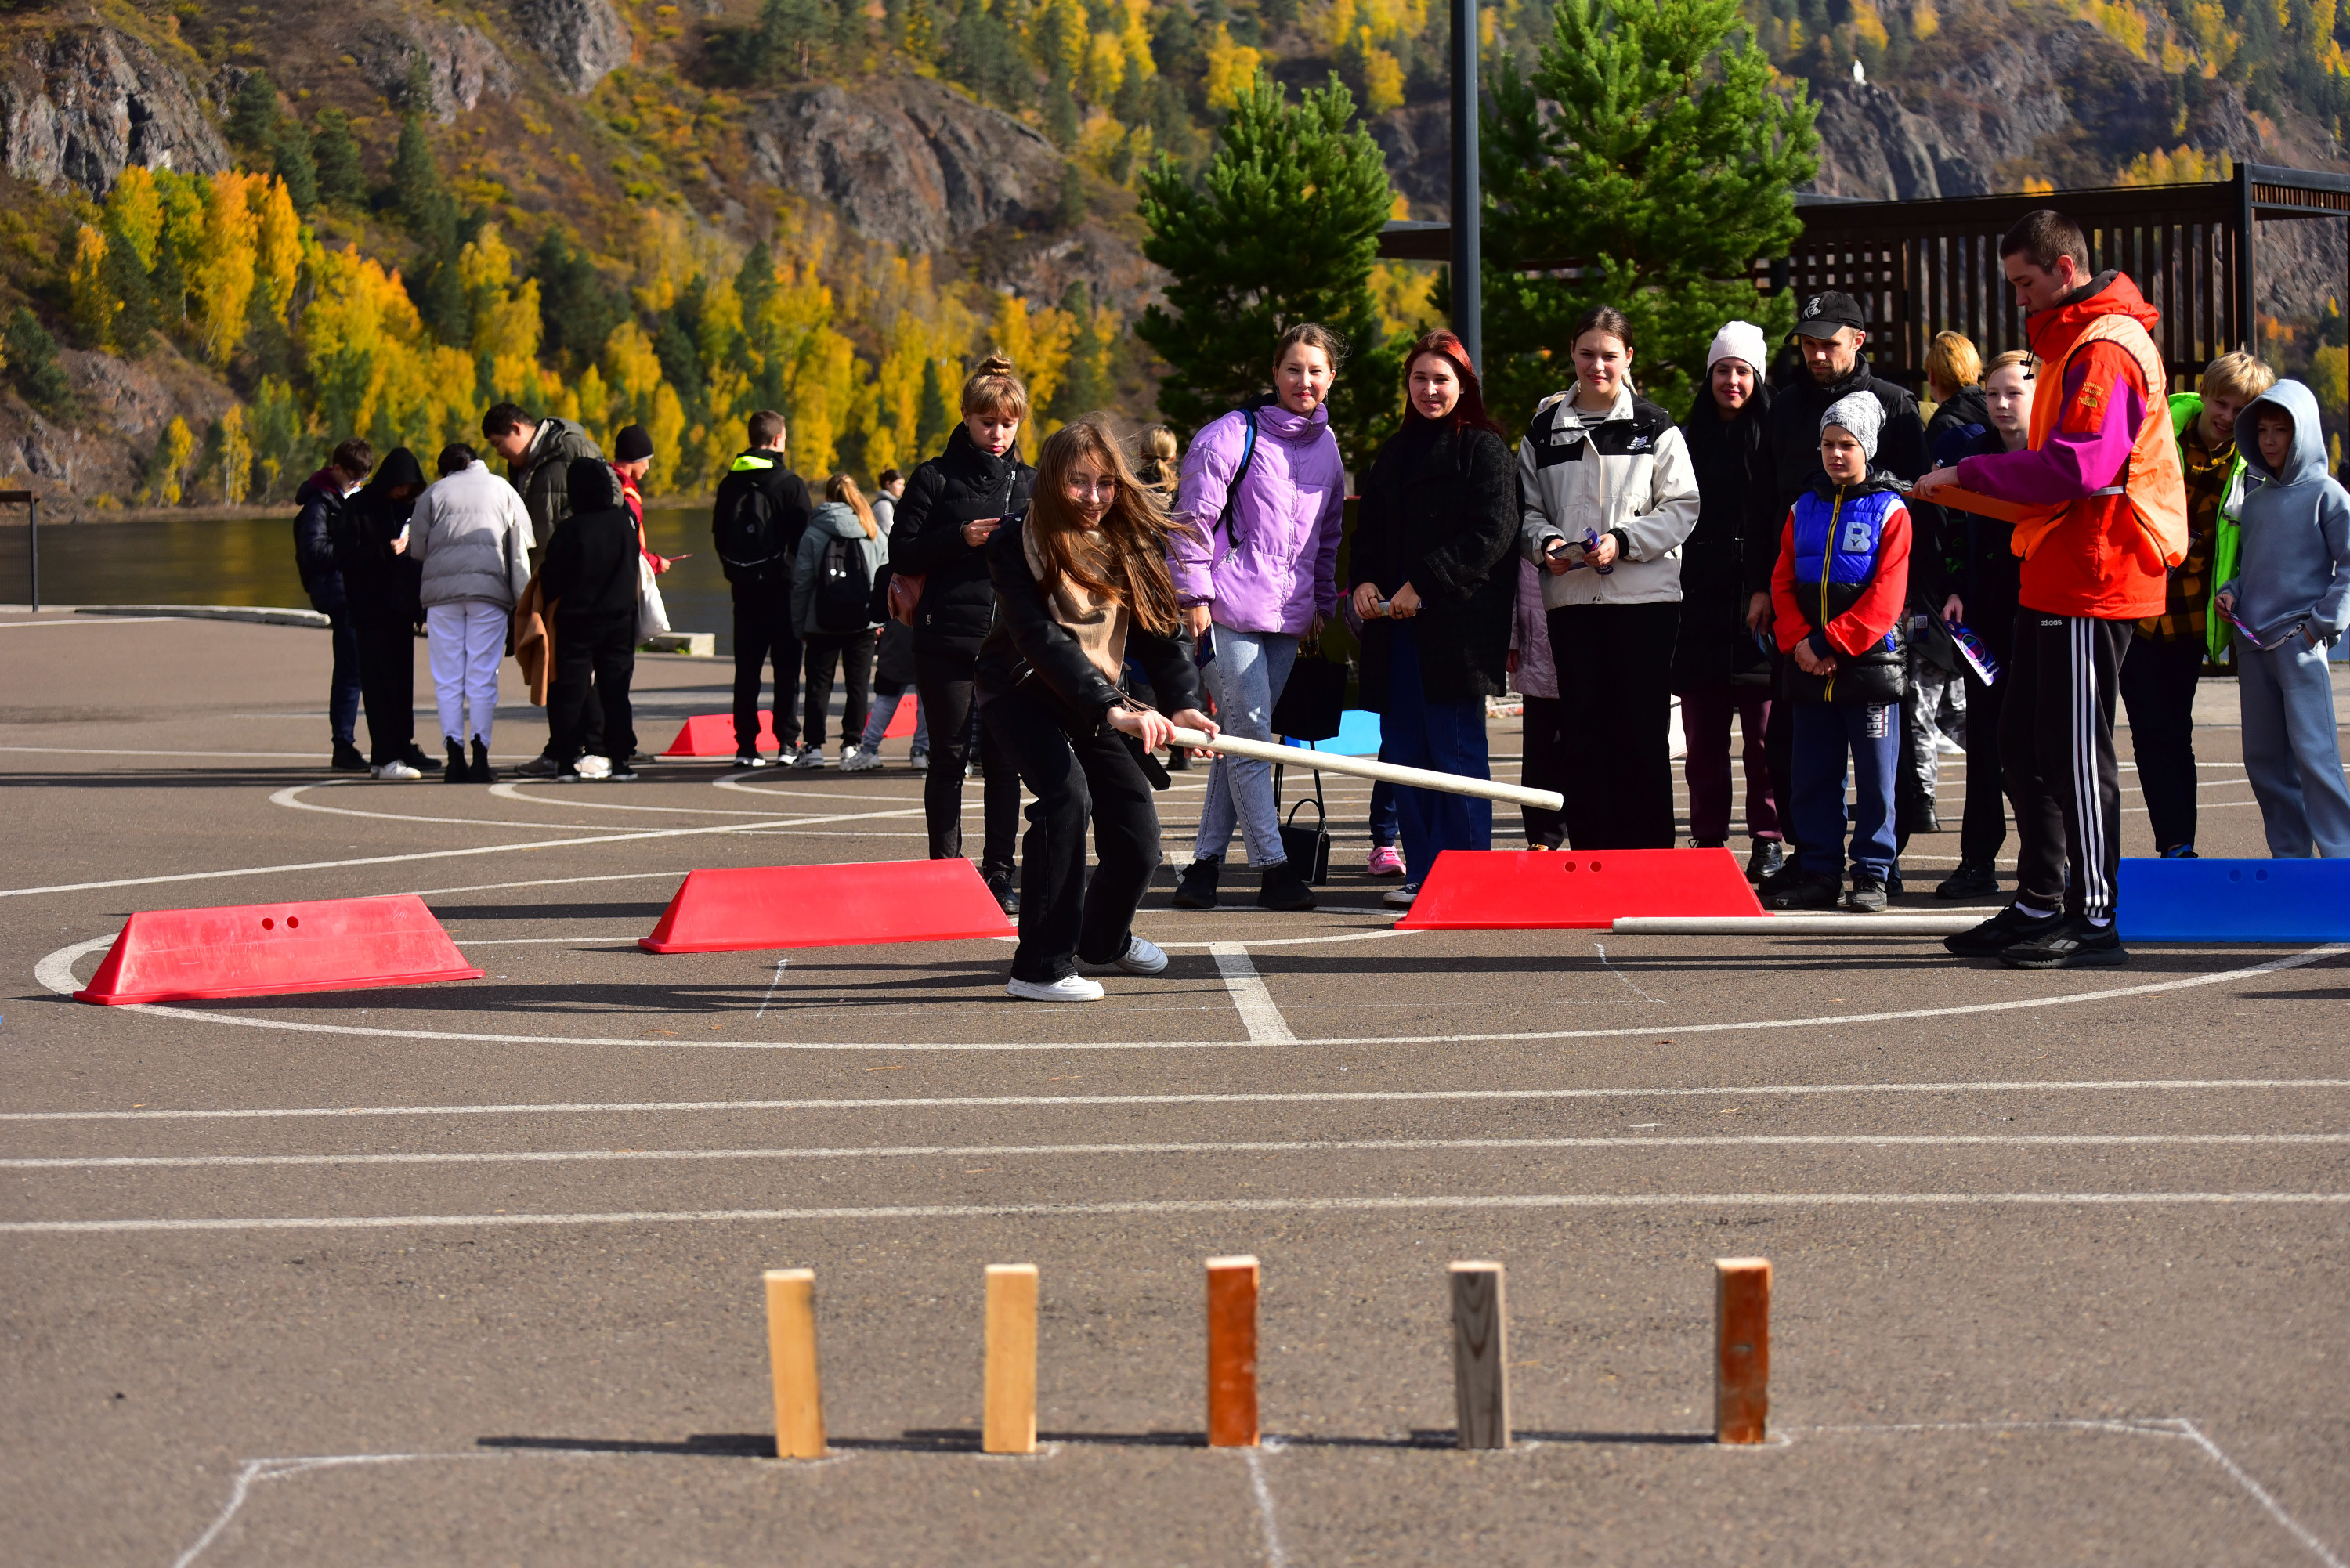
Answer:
(748, 533)
(844, 589)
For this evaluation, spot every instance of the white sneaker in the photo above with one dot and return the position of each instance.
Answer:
(858, 760)
(592, 767)
(920, 761)
(395, 770)
(808, 757)
(1400, 898)
(1141, 958)
(1074, 988)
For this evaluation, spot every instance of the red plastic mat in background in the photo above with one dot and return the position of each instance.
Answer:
(1533, 889)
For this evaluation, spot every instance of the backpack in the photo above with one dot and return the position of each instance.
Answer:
(1240, 474)
(844, 589)
(747, 532)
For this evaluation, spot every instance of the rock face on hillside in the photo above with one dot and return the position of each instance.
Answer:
(459, 62)
(583, 41)
(907, 160)
(81, 105)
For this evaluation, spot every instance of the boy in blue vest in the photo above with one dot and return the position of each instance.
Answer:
(1837, 600)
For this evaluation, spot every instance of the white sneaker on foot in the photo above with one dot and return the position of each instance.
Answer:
(920, 761)
(594, 767)
(1400, 898)
(1140, 957)
(1072, 988)
(808, 757)
(858, 760)
(394, 770)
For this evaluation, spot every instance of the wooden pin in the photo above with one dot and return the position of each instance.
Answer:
(791, 1350)
(1480, 1356)
(1232, 1353)
(1742, 1317)
(1010, 1424)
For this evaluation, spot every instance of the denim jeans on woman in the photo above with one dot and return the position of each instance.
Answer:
(1248, 672)
(1445, 737)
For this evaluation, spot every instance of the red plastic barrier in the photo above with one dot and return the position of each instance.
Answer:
(827, 906)
(1530, 889)
(266, 949)
(712, 735)
(901, 722)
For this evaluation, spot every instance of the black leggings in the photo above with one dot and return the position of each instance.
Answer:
(387, 648)
(1617, 660)
(943, 684)
(1066, 916)
(854, 655)
(607, 651)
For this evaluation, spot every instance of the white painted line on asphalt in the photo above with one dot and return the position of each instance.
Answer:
(1601, 947)
(289, 797)
(572, 793)
(2260, 1495)
(310, 756)
(1254, 1003)
(543, 941)
(1344, 1096)
(1274, 1556)
(1074, 1150)
(1159, 1206)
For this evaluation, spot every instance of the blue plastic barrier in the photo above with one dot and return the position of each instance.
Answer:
(1359, 736)
(2235, 900)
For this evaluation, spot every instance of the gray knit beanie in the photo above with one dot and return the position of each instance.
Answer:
(1860, 413)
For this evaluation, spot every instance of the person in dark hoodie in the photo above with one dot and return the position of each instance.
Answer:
(382, 585)
(589, 576)
(1719, 666)
(1838, 596)
(2290, 604)
(538, 452)
(322, 495)
(756, 519)
(952, 506)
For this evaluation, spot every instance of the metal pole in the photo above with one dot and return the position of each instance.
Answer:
(1467, 252)
(33, 546)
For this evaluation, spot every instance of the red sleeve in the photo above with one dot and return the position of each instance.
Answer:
(1880, 604)
(1788, 625)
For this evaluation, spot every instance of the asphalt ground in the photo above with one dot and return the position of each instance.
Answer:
(471, 1273)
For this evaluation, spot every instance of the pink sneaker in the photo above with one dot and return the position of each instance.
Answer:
(1384, 861)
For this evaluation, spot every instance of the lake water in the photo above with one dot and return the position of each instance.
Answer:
(250, 561)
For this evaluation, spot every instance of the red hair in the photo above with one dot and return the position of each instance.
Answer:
(1469, 411)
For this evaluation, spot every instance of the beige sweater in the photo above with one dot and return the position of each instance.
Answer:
(1098, 623)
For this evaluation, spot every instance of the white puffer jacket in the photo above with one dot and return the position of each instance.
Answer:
(1626, 471)
(472, 536)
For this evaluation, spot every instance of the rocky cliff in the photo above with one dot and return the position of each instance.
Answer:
(81, 105)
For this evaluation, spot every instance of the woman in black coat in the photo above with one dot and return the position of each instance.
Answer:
(1434, 541)
(380, 585)
(952, 506)
(1719, 666)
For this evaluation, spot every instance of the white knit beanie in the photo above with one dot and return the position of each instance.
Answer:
(1739, 340)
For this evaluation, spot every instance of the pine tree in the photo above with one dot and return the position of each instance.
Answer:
(938, 416)
(1650, 146)
(252, 113)
(127, 281)
(1283, 227)
(31, 354)
(289, 151)
(342, 180)
(423, 203)
(1082, 388)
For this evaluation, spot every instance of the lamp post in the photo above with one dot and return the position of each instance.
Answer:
(1468, 314)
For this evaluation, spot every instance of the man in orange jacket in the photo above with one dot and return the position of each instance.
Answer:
(2099, 506)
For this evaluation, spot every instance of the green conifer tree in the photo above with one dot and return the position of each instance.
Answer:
(342, 180)
(1283, 227)
(252, 113)
(1081, 390)
(939, 415)
(32, 358)
(289, 151)
(1651, 147)
(422, 202)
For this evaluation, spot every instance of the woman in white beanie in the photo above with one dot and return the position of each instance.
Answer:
(1719, 667)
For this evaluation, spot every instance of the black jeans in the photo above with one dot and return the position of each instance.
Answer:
(605, 652)
(1985, 829)
(945, 686)
(762, 630)
(387, 648)
(854, 656)
(1619, 766)
(2158, 686)
(1543, 744)
(2056, 738)
(1066, 916)
(343, 687)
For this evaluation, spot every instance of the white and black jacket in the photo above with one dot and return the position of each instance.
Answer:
(1627, 472)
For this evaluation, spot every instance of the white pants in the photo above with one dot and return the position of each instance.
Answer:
(466, 641)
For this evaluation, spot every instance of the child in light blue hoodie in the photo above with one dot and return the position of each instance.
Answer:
(2289, 603)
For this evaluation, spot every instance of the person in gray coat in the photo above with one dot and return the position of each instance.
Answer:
(472, 538)
(842, 555)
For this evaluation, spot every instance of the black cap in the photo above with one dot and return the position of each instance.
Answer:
(632, 444)
(1824, 314)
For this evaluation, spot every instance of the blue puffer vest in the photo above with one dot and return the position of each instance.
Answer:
(1838, 532)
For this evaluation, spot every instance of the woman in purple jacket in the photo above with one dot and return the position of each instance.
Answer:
(1264, 495)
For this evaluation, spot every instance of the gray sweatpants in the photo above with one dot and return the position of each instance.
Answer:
(2292, 749)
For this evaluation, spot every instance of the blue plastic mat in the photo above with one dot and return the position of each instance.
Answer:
(1359, 736)
(2235, 900)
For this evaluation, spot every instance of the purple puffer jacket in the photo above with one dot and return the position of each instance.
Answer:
(1278, 567)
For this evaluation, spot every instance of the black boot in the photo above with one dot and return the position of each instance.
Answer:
(480, 772)
(347, 759)
(455, 771)
(1766, 861)
(1972, 880)
(1196, 887)
(1279, 887)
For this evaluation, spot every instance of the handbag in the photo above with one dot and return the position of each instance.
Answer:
(1314, 701)
(1308, 848)
(906, 595)
(652, 615)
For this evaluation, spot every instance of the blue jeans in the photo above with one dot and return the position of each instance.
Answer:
(1447, 737)
(2292, 750)
(1387, 822)
(343, 686)
(1248, 672)
(885, 708)
(1825, 732)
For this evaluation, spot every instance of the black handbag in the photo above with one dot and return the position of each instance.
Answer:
(1314, 701)
(1308, 848)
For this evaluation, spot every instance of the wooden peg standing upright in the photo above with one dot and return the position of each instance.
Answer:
(1009, 1425)
(1232, 1353)
(1481, 1359)
(1742, 1317)
(791, 1350)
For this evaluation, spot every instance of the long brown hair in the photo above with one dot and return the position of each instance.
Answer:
(1469, 411)
(1133, 568)
(843, 489)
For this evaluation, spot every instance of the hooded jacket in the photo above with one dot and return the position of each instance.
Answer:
(961, 484)
(1729, 555)
(1032, 651)
(1965, 414)
(2222, 548)
(1624, 471)
(1273, 564)
(589, 572)
(769, 470)
(833, 520)
(376, 579)
(319, 499)
(1439, 511)
(543, 475)
(1978, 564)
(472, 539)
(1841, 583)
(2295, 563)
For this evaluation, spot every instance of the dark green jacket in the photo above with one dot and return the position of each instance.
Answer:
(543, 474)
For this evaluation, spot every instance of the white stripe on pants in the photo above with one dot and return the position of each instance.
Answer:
(466, 642)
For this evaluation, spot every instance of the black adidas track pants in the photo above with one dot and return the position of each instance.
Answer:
(2056, 748)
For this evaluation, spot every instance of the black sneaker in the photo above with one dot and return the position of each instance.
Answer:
(1786, 878)
(2072, 944)
(455, 771)
(542, 766)
(622, 773)
(1808, 893)
(1868, 896)
(2001, 932)
(1972, 880)
(1279, 887)
(481, 771)
(415, 758)
(1196, 887)
(1767, 860)
(347, 759)
(1000, 884)
(565, 772)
